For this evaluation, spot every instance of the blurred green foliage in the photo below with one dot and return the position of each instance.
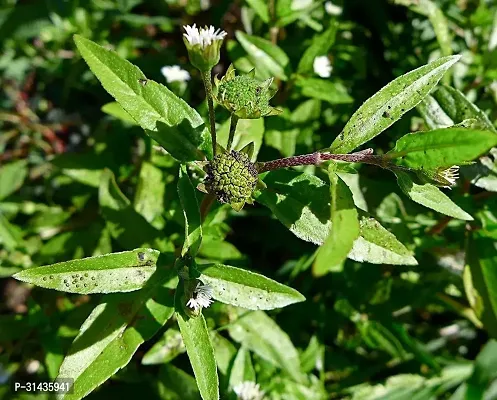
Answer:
(79, 178)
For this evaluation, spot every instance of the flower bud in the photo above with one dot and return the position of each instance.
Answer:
(245, 96)
(232, 178)
(203, 46)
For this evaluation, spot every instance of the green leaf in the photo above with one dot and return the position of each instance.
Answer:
(390, 103)
(128, 227)
(261, 8)
(430, 196)
(437, 18)
(482, 260)
(246, 289)
(115, 109)
(182, 141)
(247, 131)
(200, 352)
(149, 197)
(191, 212)
(344, 231)
(10, 235)
(108, 273)
(459, 108)
(165, 349)
(268, 58)
(176, 384)
(433, 114)
(300, 201)
(485, 371)
(152, 105)
(376, 245)
(263, 336)
(322, 89)
(224, 351)
(441, 147)
(320, 45)
(242, 369)
(483, 173)
(113, 332)
(12, 176)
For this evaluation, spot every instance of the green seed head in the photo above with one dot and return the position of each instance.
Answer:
(245, 96)
(232, 177)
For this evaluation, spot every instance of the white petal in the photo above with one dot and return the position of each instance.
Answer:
(322, 66)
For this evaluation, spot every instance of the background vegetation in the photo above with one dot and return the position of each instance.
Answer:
(365, 331)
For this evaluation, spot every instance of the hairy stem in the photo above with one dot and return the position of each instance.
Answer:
(233, 123)
(206, 77)
(364, 156)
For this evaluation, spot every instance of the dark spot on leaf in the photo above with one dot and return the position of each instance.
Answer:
(51, 276)
(142, 82)
(81, 278)
(386, 115)
(141, 256)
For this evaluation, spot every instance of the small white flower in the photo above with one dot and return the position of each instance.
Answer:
(248, 390)
(322, 66)
(451, 174)
(332, 9)
(203, 36)
(174, 73)
(201, 297)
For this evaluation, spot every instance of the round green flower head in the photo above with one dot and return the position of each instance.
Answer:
(245, 96)
(232, 177)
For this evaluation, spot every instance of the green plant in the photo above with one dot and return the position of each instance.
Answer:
(179, 285)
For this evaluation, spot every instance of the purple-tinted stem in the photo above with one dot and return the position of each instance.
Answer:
(364, 156)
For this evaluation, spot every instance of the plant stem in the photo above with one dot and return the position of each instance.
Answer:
(233, 123)
(274, 30)
(364, 156)
(206, 77)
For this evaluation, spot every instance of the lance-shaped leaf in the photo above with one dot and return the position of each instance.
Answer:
(344, 231)
(191, 212)
(376, 245)
(264, 337)
(166, 349)
(458, 108)
(300, 201)
(152, 105)
(390, 103)
(441, 147)
(430, 196)
(199, 349)
(12, 176)
(149, 197)
(129, 228)
(482, 261)
(268, 58)
(113, 332)
(108, 273)
(332, 92)
(319, 46)
(242, 369)
(246, 289)
(117, 111)
(176, 384)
